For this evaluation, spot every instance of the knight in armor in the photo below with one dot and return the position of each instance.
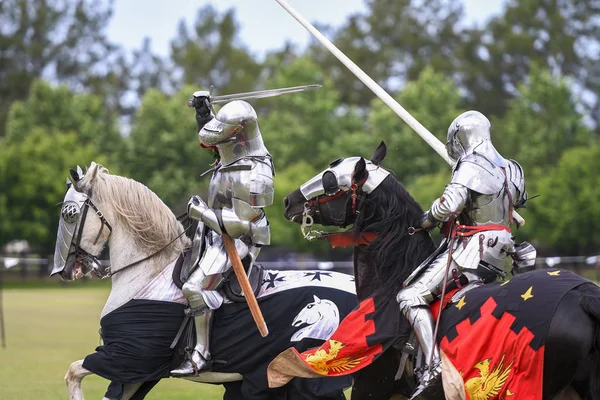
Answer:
(477, 208)
(240, 187)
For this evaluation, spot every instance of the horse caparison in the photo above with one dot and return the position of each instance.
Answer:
(572, 353)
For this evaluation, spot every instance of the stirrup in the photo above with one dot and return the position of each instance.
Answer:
(428, 380)
(189, 367)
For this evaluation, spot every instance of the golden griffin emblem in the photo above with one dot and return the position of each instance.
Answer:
(489, 384)
(325, 362)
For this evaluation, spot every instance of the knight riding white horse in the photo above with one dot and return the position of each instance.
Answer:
(145, 309)
(240, 187)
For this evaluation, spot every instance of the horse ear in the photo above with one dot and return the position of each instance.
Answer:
(379, 153)
(360, 171)
(90, 175)
(74, 178)
(92, 171)
(317, 300)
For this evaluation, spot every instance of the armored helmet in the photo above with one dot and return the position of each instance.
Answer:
(234, 132)
(470, 132)
(233, 119)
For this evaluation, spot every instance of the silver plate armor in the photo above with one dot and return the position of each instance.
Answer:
(470, 131)
(234, 130)
(484, 189)
(67, 226)
(240, 187)
(342, 169)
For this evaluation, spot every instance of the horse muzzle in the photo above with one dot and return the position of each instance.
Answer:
(294, 206)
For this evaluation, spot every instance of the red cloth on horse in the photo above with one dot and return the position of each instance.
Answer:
(494, 336)
(361, 337)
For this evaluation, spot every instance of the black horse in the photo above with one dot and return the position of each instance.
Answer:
(572, 347)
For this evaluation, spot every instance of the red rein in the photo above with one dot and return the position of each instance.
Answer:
(353, 188)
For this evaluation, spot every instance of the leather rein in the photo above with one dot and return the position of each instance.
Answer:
(80, 252)
(336, 239)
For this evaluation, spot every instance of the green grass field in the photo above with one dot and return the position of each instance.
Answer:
(47, 329)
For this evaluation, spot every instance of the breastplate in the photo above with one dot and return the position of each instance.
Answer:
(249, 180)
(489, 208)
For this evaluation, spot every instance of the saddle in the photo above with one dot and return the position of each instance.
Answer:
(231, 286)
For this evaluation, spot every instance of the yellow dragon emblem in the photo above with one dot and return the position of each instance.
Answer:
(325, 362)
(488, 384)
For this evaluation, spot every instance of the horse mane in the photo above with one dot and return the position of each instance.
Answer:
(141, 212)
(389, 211)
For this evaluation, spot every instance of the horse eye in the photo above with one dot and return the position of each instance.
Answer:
(330, 183)
(310, 306)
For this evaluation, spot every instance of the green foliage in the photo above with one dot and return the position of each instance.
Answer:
(559, 35)
(521, 68)
(303, 126)
(393, 41)
(56, 110)
(48, 133)
(283, 232)
(33, 173)
(38, 35)
(163, 150)
(211, 54)
(564, 219)
(541, 123)
(434, 101)
(426, 188)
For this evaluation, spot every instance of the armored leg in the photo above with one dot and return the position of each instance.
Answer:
(199, 359)
(202, 302)
(414, 301)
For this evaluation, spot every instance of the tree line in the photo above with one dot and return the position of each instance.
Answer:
(69, 96)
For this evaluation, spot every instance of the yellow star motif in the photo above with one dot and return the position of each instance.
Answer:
(554, 273)
(509, 393)
(502, 284)
(461, 303)
(527, 295)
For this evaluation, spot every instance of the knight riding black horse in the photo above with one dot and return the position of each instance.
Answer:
(383, 262)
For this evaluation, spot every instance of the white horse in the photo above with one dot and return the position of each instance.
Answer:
(142, 227)
(321, 318)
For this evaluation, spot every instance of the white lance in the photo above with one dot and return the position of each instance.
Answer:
(427, 136)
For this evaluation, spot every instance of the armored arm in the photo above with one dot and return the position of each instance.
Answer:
(240, 220)
(243, 216)
(516, 177)
(451, 203)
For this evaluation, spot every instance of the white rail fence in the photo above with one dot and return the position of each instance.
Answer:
(43, 264)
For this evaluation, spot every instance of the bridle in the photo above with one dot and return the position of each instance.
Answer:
(106, 272)
(315, 203)
(79, 252)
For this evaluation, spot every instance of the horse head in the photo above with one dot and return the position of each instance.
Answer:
(81, 225)
(331, 198)
(359, 192)
(100, 208)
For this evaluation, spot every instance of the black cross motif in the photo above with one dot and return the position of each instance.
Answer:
(272, 279)
(317, 275)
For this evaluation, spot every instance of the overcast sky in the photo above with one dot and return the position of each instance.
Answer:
(265, 25)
